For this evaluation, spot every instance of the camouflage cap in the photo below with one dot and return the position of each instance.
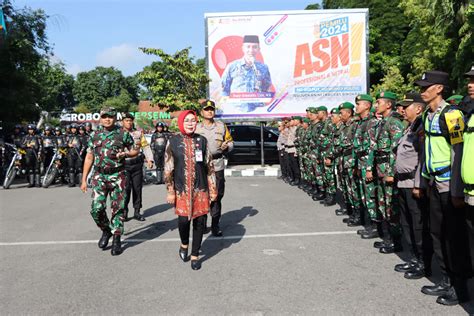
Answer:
(108, 110)
(454, 99)
(387, 95)
(346, 105)
(364, 97)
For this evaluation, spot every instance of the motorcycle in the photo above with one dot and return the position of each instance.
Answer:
(14, 168)
(54, 169)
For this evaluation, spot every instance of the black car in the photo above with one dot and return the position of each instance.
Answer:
(247, 145)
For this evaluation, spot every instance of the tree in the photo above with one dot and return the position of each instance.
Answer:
(176, 81)
(121, 103)
(95, 87)
(314, 6)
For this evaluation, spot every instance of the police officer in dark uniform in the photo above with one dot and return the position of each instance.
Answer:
(158, 146)
(84, 140)
(88, 128)
(17, 136)
(33, 146)
(74, 160)
(61, 144)
(49, 143)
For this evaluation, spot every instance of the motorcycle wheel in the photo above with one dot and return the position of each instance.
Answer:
(9, 177)
(49, 177)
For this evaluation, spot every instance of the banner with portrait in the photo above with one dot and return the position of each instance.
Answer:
(275, 64)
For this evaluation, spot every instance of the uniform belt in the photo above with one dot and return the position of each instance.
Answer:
(382, 159)
(217, 156)
(110, 170)
(469, 186)
(290, 146)
(405, 175)
(135, 160)
(440, 172)
(347, 152)
(469, 129)
(361, 154)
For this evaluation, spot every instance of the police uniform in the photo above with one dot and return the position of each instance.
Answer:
(33, 146)
(290, 149)
(74, 160)
(158, 146)
(109, 179)
(134, 171)
(216, 134)
(48, 144)
(443, 128)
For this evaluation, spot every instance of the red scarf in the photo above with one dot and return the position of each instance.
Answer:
(181, 117)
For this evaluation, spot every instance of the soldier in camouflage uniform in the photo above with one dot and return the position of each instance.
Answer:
(312, 131)
(298, 145)
(305, 163)
(334, 155)
(106, 151)
(389, 132)
(346, 150)
(325, 141)
(318, 168)
(364, 160)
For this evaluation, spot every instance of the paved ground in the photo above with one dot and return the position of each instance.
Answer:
(282, 254)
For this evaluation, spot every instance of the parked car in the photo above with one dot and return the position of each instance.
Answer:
(247, 145)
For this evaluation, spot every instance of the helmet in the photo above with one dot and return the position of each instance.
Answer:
(18, 126)
(88, 124)
(57, 129)
(73, 125)
(31, 126)
(82, 128)
(68, 126)
(48, 128)
(159, 124)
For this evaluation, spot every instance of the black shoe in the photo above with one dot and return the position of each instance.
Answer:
(346, 220)
(183, 254)
(125, 216)
(439, 289)
(449, 299)
(417, 272)
(391, 248)
(404, 267)
(379, 244)
(104, 240)
(116, 246)
(216, 233)
(138, 216)
(330, 201)
(354, 222)
(195, 264)
(341, 212)
(362, 231)
(321, 196)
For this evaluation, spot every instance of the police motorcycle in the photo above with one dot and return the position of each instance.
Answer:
(15, 166)
(54, 169)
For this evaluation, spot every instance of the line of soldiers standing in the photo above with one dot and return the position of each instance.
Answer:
(404, 170)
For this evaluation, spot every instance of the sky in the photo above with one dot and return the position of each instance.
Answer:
(90, 33)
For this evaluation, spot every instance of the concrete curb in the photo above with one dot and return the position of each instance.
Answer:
(252, 172)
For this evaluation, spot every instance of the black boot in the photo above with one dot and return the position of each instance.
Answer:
(458, 293)
(439, 289)
(216, 232)
(138, 216)
(418, 271)
(31, 180)
(331, 200)
(394, 246)
(38, 181)
(79, 178)
(406, 266)
(356, 218)
(104, 240)
(341, 211)
(125, 215)
(371, 232)
(72, 179)
(116, 246)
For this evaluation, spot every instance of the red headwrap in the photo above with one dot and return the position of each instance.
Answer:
(181, 117)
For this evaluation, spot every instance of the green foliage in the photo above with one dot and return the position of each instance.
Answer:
(105, 84)
(314, 6)
(121, 103)
(176, 81)
(82, 108)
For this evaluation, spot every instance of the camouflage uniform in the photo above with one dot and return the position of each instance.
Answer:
(317, 165)
(349, 183)
(389, 132)
(364, 160)
(325, 141)
(109, 177)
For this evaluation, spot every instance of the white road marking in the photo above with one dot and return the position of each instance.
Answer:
(133, 240)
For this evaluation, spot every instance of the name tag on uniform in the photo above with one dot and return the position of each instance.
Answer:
(198, 154)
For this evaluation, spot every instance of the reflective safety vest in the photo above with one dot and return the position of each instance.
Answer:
(438, 141)
(467, 165)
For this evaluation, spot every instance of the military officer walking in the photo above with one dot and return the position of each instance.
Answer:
(159, 140)
(106, 152)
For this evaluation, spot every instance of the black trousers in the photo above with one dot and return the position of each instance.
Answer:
(470, 231)
(48, 154)
(286, 162)
(159, 158)
(216, 206)
(284, 172)
(414, 218)
(134, 184)
(31, 161)
(74, 161)
(184, 225)
(448, 229)
(294, 165)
